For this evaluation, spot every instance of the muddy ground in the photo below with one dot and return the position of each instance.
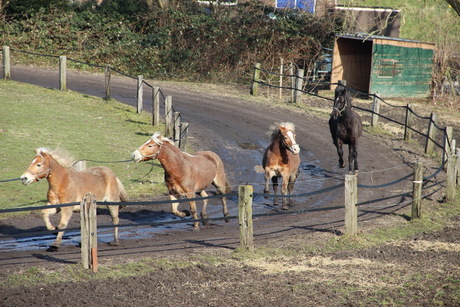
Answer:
(420, 271)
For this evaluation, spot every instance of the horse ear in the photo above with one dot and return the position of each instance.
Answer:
(156, 137)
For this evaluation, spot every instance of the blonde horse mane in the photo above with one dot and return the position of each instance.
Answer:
(156, 137)
(62, 157)
(274, 129)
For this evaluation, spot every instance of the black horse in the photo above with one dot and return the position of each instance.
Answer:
(346, 128)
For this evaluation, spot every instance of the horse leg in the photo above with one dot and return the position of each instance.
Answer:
(292, 180)
(174, 207)
(66, 214)
(115, 221)
(275, 190)
(354, 154)
(46, 216)
(196, 225)
(204, 215)
(284, 192)
(339, 145)
(268, 176)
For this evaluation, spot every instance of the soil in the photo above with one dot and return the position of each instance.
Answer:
(235, 127)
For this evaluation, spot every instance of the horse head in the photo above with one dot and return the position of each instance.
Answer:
(287, 134)
(341, 101)
(38, 169)
(150, 150)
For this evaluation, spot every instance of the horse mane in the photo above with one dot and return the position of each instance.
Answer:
(61, 156)
(157, 137)
(274, 129)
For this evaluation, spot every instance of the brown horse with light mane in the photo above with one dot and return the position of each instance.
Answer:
(67, 185)
(186, 174)
(281, 159)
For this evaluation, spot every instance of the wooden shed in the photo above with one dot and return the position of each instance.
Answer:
(392, 67)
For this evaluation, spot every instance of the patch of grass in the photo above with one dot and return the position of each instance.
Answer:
(88, 127)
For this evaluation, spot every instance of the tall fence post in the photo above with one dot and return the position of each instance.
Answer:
(62, 72)
(298, 85)
(417, 191)
(408, 123)
(6, 63)
(375, 110)
(168, 116)
(448, 137)
(457, 168)
(140, 93)
(88, 229)
(245, 194)
(155, 106)
(176, 131)
(183, 136)
(431, 134)
(451, 189)
(281, 78)
(255, 80)
(351, 210)
(108, 77)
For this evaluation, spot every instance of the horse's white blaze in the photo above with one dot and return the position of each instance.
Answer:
(294, 148)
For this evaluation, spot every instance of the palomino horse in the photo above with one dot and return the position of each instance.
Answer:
(346, 128)
(186, 174)
(281, 159)
(67, 185)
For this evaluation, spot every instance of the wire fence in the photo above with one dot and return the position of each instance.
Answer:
(427, 129)
(233, 194)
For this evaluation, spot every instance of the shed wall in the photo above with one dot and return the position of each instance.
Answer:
(399, 71)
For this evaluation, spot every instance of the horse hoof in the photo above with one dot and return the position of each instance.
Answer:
(284, 207)
(52, 248)
(186, 213)
(114, 243)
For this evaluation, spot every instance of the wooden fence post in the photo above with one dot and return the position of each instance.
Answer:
(155, 106)
(281, 77)
(298, 85)
(6, 63)
(457, 168)
(183, 136)
(448, 137)
(245, 193)
(88, 229)
(451, 177)
(408, 123)
(417, 191)
(255, 80)
(351, 210)
(62, 72)
(292, 80)
(108, 77)
(168, 116)
(176, 130)
(375, 110)
(431, 134)
(140, 92)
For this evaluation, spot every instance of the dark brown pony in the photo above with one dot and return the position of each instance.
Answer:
(281, 159)
(186, 174)
(346, 128)
(67, 185)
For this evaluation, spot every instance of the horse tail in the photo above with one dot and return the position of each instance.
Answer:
(123, 194)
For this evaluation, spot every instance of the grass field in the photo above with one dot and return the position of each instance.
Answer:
(87, 127)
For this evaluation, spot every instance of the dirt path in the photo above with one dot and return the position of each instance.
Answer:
(236, 128)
